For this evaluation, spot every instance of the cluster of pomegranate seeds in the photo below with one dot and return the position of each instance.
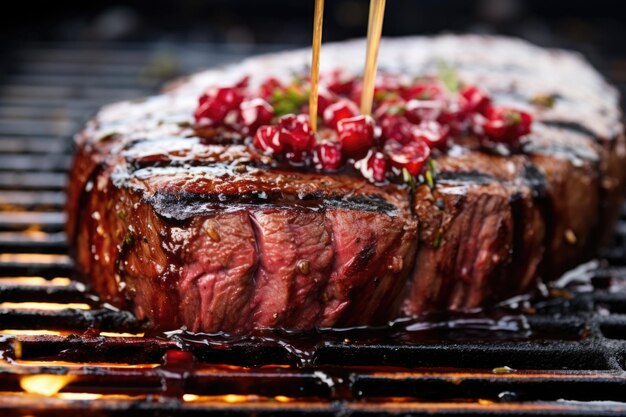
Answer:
(291, 137)
(411, 120)
(506, 125)
(214, 105)
(231, 106)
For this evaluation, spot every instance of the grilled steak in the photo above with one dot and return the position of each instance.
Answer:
(214, 237)
(221, 234)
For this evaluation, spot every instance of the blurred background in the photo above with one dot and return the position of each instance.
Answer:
(253, 22)
(246, 26)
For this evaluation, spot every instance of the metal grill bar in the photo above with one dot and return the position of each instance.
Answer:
(570, 360)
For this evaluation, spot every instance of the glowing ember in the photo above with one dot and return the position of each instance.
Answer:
(232, 398)
(45, 306)
(37, 234)
(46, 385)
(79, 396)
(94, 365)
(229, 398)
(112, 334)
(282, 399)
(15, 332)
(37, 281)
(34, 258)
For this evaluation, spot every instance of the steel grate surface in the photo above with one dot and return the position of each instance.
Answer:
(62, 351)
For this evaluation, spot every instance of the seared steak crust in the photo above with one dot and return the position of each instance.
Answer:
(215, 237)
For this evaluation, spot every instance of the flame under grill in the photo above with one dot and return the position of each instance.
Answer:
(62, 351)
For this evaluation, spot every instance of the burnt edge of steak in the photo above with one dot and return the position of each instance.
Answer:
(170, 204)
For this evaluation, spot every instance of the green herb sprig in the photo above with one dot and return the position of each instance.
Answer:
(288, 100)
(449, 77)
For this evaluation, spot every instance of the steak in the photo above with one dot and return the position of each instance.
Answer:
(248, 246)
(214, 237)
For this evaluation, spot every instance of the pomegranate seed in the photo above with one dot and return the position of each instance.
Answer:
(356, 135)
(244, 82)
(324, 100)
(215, 105)
(267, 88)
(355, 94)
(421, 110)
(328, 156)
(474, 100)
(255, 112)
(376, 167)
(295, 131)
(340, 84)
(229, 97)
(267, 138)
(432, 133)
(506, 125)
(299, 141)
(455, 118)
(425, 90)
(289, 121)
(394, 127)
(412, 156)
(343, 109)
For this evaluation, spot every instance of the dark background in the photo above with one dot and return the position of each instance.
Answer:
(241, 23)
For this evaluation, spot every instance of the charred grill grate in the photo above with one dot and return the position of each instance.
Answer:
(62, 351)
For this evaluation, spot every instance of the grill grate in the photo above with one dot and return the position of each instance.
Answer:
(62, 351)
